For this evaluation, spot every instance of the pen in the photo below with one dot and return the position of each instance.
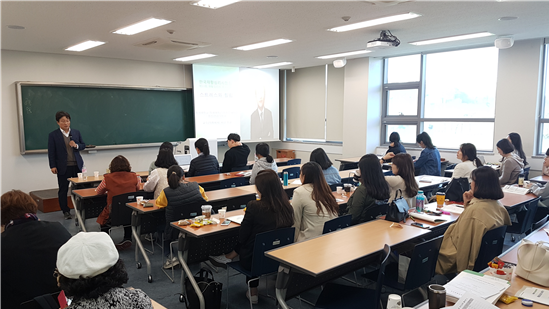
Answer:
(412, 218)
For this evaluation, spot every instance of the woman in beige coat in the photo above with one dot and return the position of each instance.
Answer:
(483, 212)
(313, 203)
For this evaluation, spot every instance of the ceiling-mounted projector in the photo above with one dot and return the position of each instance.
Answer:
(386, 40)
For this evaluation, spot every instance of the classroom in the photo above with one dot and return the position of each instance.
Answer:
(343, 110)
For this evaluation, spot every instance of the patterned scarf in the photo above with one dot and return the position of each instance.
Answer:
(23, 219)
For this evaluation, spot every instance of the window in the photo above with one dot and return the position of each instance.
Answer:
(450, 95)
(543, 129)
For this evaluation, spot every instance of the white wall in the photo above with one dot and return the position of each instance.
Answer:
(32, 172)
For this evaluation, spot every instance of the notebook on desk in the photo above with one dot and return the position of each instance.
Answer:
(236, 219)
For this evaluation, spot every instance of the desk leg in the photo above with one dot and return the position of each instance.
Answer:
(137, 240)
(282, 285)
(182, 253)
(79, 212)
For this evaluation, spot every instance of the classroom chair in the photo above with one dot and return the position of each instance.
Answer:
(236, 203)
(526, 172)
(234, 182)
(421, 269)
(525, 219)
(204, 173)
(262, 265)
(337, 224)
(375, 211)
(294, 162)
(339, 296)
(293, 172)
(334, 186)
(42, 302)
(241, 168)
(491, 246)
(348, 166)
(538, 224)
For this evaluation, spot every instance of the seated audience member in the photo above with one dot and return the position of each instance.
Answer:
(237, 155)
(483, 212)
(428, 162)
(120, 180)
(29, 250)
(165, 145)
(373, 189)
(467, 153)
(545, 167)
(205, 162)
(515, 139)
(264, 161)
(403, 179)
(91, 273)
(313, 203)
(331, 174)
(542, 190)
(395, 147)
(179, 192)
(273, 211)
(511, 163)
(157, 180)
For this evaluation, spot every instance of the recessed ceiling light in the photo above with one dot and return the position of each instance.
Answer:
(84, 45)
(375, 22)
(453, 38)
(272, 56)
(278, 64)
(213, 4)
(15, 27)
(142, 26)
(195, 57)
(506, 18)
(357, 52)
(264, 44)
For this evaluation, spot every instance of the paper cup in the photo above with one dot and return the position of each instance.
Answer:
(339, 190)
(139, 200)
(80, 176)
(222, 213)
(96, 174)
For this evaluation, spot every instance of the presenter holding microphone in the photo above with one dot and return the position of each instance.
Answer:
(64, 146)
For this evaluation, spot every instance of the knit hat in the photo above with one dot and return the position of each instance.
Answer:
(86, 254)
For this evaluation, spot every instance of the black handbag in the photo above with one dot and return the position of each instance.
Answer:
(398, 209)
(211, 290)
(456, 188)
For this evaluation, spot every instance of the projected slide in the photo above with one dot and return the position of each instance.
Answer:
(236, 100)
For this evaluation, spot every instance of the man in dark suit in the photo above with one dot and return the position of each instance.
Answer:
(261, 119)
(64, 146)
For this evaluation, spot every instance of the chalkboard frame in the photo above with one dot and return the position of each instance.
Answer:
(20, 84)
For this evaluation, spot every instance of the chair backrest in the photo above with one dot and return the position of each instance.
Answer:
(179, 212)
(293, 162)
(526, 172)
(41, 302)
(234, 203)
(204, 173)
(241, 168)
(293, 172)
(347, 166)
(375, 211)
(422, 263)
(120, 213)
(234, 182)
(334, 186)
(525, 218)
(337, 224)
(269, 241)
(384, 261)
(540, 223)
(491, 246)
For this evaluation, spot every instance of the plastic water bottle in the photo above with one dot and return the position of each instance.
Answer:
(233, 185)
(84, 171)
(285, 179)
(420, 201)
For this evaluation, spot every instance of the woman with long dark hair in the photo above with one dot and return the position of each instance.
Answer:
(511, 164)
(483, 212)
(467, 153)
(205, 162)
(403, 179)
(264, 161)
(395, 145)
(157, 179)
(313, 203)
(273, 211)
(331, 174)
(428, 162)
(164, 145)
(373, 188)
(515, 139)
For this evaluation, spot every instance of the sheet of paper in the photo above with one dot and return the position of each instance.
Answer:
(339, 200)
(454, 208)
(296, 182)
(430, 218)
(472, 301)
(469, 281)
(534, 294)
(236, 219)
(515, 189)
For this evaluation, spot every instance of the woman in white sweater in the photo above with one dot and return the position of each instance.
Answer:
(403, 179)
(158, 178)
(467, 153)
(313, 203)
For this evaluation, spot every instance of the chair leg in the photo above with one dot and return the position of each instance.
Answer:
(513, 237)
(250, 292)
(227, 287)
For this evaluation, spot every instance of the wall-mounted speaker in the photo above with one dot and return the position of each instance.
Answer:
(504, 43)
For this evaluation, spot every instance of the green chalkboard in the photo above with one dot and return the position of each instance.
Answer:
(106, 116)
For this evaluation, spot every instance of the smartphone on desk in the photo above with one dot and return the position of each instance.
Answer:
(226, 222)
(420, 225)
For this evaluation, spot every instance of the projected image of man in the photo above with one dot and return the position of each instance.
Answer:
(262, 118)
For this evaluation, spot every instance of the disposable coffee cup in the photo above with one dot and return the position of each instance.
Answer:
(96, 174)
(394, 302)
(437, 296)
(139, 200)
(339, 190)
(347, 187)
(207, 211)
(222, 213)
(80, 176)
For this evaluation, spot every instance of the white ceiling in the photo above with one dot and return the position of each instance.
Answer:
(50, 27)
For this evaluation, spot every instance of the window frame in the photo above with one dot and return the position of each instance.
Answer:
(543, 93)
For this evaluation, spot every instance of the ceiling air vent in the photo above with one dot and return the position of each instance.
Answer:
(171, 44)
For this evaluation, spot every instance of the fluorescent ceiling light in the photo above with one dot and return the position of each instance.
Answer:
(357, 52)
(263, 44)
(271, 65)
(84, 45)
(142, 26)
(195, 57)
(375, 22)
(213, 4)
(453, 38)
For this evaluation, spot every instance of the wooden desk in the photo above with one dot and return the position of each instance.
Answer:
(542, 179)
(512, 201)
(316, 258)
(90, 180)
(279, 161)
